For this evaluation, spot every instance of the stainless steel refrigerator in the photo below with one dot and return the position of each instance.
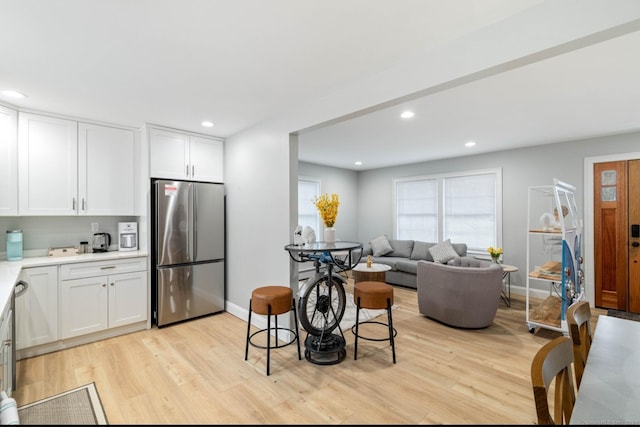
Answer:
(188, 231)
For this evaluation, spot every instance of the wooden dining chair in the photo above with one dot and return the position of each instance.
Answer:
(553, 362)
(579, 322)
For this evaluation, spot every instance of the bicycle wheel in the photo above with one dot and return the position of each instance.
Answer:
(322, 306)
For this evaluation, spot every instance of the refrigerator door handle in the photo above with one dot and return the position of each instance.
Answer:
(194, 224)
(190, 230)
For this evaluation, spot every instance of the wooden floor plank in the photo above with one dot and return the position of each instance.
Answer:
(195, 373)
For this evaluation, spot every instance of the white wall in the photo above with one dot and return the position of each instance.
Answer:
(521, 168)
(344, 183)
(42, 232)
(259, 162)
(257, 181)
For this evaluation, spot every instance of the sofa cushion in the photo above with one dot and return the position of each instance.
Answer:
(407, 266)
(421, 251)
(443, 252)
(466, 261)
(460, 248)
(401, 248)
(380, 246)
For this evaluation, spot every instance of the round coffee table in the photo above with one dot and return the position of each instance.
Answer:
(375, 273)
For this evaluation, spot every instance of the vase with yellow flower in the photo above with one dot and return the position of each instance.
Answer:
(495, 254)
(327, 206)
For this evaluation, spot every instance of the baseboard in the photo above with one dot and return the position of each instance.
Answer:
(533, 293)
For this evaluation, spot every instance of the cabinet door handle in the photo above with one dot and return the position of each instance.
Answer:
(107, 267)
(83, 208)
(193, 171)
(104, 285)
(187, 171)
(24, 286)
(73, 203)
(113, 284)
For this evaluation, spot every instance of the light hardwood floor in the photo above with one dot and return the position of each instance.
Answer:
(195, 373)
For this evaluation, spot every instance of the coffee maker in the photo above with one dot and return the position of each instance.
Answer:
(127, 236)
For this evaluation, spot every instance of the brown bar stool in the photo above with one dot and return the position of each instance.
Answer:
(272, 301)
(374, 296)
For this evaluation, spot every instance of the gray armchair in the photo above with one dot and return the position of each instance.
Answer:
(464, 293)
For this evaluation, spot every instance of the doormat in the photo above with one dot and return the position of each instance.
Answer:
(623, 315)
(78, 406)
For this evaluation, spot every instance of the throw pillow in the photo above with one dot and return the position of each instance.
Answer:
(443, 252)
(401, 248)
(421, 251)
(380, 246)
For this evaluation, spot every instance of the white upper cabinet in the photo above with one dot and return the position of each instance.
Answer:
(106, 170)
(8, 161)
(174, 155)
(47, 165)
(71, 168)
(169, 154)
(206, 159)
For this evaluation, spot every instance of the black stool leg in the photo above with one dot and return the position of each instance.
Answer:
(355, 346)
(246, 350)
(390, 321)
(269, 336)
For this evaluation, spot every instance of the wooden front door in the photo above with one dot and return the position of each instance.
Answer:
(617, 260)
(634, 236)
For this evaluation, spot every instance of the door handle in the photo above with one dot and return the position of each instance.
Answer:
(635, 244)
(25, 286)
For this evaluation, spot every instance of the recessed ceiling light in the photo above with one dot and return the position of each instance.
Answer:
(13, 94)
(207, 124)
(470, 144)
(358, 163)
(407, 114)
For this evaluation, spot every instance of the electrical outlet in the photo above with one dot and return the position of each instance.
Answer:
(95, 227)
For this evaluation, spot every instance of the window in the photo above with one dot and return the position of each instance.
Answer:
(417, 210)
(464, 207)
(308, 189)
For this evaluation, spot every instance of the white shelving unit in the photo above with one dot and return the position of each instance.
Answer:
(554, 257)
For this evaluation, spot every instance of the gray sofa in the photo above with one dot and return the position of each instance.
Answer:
(464, 293)
(404, 259)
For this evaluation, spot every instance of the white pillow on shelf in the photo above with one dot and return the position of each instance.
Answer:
(443, 252)
(380, 246)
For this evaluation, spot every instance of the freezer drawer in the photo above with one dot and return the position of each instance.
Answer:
(187, 292)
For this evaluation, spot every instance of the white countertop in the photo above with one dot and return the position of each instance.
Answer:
(10, 270)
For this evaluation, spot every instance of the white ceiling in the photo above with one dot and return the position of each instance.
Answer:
(239, 63)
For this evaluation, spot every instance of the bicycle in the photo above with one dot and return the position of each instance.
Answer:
(322, 299)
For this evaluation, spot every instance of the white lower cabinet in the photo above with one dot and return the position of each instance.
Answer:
(36, 307)
(7, 355)
(95, 296)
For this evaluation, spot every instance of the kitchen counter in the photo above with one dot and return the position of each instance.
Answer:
(10, 270)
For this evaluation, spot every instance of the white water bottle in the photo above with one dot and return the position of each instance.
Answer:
(8, 410)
